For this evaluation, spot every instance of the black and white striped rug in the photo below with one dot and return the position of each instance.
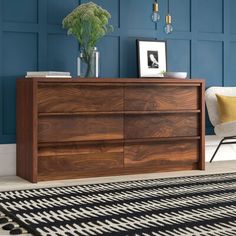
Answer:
(198, 205)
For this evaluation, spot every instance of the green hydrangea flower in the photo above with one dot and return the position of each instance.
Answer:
(88, 23)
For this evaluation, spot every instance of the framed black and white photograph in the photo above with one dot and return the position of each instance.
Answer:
(152, 59)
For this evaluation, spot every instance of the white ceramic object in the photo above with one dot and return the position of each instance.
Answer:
(176, 75)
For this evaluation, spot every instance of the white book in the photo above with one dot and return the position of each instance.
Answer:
(47, 73)
(49, 76)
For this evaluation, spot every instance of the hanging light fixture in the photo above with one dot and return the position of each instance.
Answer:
(156, 17)
(168, 27)
(155, 12)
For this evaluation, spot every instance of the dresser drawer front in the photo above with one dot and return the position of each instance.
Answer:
(73, 97)
(80, 128)
(78, 160)
(161, 125)
(155, 98)
(172, 153)
(80, 165)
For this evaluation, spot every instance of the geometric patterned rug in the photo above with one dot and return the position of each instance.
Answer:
(197, 205)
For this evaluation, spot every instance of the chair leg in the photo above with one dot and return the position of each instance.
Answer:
(217, 150)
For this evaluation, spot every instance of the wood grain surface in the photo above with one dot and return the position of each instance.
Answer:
(80, 128)
(57, 97)
(76, 128)
(202, 124)
(121, 81)
(80, 158)
(161, 154)
(81, 163)
(116, 171)
(26, 130)
(152, 98)
(80, 148)
(161, 125)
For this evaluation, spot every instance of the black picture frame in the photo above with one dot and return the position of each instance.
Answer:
(152, 62)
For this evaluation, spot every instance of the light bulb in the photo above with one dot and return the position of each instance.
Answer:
(155, 17)
(155, 14)
(168, 27)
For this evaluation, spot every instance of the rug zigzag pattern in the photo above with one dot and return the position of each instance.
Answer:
(197, 205)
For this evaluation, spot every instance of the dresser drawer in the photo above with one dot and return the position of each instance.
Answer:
(155, 98)
(72, 97)
(81, 160)
(161, 125)
(74, 128)
(157, 154)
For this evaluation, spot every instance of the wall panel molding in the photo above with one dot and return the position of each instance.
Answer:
(132, 20)
(1, 30)
(42, 35)
(211, 14)
(15, 13)
(2, 138)
(183, 14)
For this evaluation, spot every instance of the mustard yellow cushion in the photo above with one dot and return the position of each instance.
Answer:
(227, 108)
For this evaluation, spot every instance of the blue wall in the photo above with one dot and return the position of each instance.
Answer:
(31, 38)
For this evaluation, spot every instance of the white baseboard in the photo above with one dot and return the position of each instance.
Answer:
(8, 154)
(7, 159)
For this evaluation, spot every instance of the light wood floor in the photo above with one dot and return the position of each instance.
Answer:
(14, 182)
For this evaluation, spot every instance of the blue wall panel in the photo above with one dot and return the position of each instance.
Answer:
(181, 15)
(20, 50)
(232, 16)
(232, 64)
(109, 48)
(58, 9)
(20, 11)
(31, 38)
(129, 59)
(9, 104)
(209, 61)
(139, 14)
(62, 53)
(179, 55)
(19, 53)
(210, 14)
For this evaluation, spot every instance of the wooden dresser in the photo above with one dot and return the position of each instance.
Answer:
(76, 128)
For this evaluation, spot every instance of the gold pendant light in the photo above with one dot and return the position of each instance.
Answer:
(156, 17)
(155, 12)
(168, 27)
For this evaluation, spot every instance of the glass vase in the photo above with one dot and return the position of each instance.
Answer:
(88, 65)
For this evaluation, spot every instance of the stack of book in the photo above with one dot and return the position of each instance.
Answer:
(47, 74)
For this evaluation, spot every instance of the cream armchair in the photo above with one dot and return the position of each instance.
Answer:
(226, 131)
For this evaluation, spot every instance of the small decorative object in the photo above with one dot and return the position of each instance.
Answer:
(151, 58)
(48, 74)
(176, 75)
(90, 69)
(88, 23)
